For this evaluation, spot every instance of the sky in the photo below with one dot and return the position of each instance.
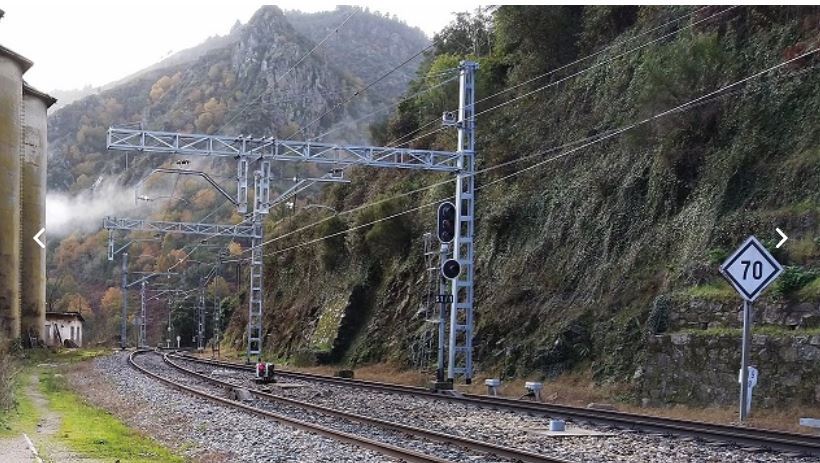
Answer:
(74, 44)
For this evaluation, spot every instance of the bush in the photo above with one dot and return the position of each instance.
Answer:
(793, 279)
(8, 372)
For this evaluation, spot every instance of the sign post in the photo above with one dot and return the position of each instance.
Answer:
(750, 269)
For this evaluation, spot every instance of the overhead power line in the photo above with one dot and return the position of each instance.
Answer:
(594, 140)
(361, 91)
(298, 62)
(568, 65)
(608, 60)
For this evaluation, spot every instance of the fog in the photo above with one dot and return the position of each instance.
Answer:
(83, 212)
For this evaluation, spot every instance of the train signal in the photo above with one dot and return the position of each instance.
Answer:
(446, 229)
(450, 269)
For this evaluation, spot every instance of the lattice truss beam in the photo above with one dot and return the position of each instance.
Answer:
(124, 139)
(242, 230)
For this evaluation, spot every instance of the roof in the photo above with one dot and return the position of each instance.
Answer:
(24, 62)
(69, 314)
(47, 99)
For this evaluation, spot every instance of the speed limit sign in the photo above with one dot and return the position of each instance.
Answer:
(751, 269)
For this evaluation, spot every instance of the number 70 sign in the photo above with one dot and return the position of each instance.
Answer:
(751, 268)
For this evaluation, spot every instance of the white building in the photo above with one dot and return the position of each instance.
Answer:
(64, 329)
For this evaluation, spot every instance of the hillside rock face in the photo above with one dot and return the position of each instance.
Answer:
(257, 80)
(264, 78)
(573, 254)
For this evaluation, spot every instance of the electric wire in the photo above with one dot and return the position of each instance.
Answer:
(560, 68)
(595, 140)
(549, 85)
(383, 109)
(577, 73)
(304, 57)
(360, 91)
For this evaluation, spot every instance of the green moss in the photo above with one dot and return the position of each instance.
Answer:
(94, 432)
(328, 326)
(717, 291)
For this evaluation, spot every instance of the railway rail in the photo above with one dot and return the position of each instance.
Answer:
(744, 436)
(401, 453)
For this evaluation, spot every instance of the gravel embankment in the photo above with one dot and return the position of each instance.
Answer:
(377, 433)
(508, 428)
(197, 427)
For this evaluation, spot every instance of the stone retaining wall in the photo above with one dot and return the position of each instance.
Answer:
(702, 369)
(687, 313)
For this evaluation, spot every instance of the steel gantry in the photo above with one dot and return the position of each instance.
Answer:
(267, 149)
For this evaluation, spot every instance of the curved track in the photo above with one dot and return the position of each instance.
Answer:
(387, 449)
(747, 436)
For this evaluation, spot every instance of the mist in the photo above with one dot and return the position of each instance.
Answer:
(83, 212)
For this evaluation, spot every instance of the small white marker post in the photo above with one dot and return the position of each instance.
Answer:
(750, 269)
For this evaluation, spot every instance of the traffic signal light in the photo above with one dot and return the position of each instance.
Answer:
(446, 229)
(450, 269)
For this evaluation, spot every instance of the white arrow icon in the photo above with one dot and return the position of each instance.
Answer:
(784, 237)
(37, 238)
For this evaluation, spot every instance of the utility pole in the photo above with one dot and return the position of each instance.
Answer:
(141, 340)
(266, 149)
(442, 300)
(217, 308)
(200, 317)
(461, 311)
(124, 290)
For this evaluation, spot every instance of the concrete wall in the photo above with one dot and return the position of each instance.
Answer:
(11, 95)
(33, 208)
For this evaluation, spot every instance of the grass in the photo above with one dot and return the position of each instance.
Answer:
(718, 291)
(23, 418)
(810, 292)
(95, 433)
(769, 330)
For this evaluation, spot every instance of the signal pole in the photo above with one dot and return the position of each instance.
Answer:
(266, 149)
(124, 290)
(461, 311)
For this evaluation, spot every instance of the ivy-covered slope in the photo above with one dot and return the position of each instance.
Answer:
(573, 252)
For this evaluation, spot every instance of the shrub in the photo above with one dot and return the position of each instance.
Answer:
(8, 371)
(793, 279)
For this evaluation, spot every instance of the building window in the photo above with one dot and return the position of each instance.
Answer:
(72, 333)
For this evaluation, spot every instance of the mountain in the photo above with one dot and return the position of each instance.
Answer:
(603, 259)
(251, 81)
(604, 207)
(263, 78)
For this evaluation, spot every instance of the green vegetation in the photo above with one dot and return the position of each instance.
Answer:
(811, 291)
(793, 279)
(717, 291)
(96, 433)
(768, 330)
(572, 251)
(22, 416)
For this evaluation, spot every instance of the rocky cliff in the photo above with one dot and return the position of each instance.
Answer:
(574, 253)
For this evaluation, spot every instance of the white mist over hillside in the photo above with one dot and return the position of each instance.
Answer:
(83, 212)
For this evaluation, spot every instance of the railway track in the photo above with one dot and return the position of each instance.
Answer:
(744, 436)
(404, 454)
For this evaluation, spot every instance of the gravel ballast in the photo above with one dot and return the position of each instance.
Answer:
(196, 427)
(508, 428)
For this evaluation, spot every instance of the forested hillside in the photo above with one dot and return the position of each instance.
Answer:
(604, 206)
(592, 231)
(261, 79)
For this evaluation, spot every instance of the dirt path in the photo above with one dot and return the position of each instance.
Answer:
(39, 446)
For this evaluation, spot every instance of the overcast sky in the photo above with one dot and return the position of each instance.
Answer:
(74, 44)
